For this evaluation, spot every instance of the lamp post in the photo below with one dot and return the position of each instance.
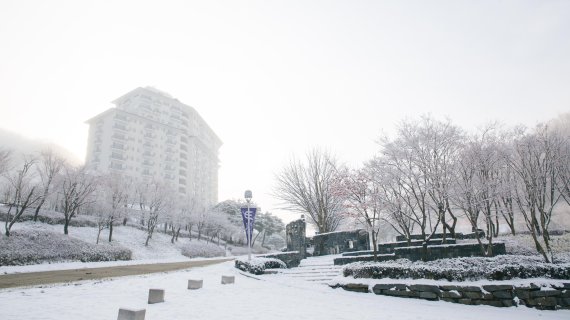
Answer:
(249, 230)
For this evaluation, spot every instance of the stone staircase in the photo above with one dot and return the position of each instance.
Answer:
(314, 269)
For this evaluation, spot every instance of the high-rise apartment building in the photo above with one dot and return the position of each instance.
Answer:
(149, 135)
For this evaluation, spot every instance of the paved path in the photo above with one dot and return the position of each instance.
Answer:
(316, 269)
(59, 276)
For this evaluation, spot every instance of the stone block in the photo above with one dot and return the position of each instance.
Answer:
(228, 279)
(465, 301)
(425, 288)
(356, 287)
(451, 294)
(461, 288)
(564, 302)
(428, 295)
(449, 300)
(542, 302)
(497, 287)
(522, 293)
(545, 293)
(531, 287)
(195, 284)
(487, 296)
(129, 314)
(503, 294)
(561, 286)
(400, 293)
(388, 286)
(155, 296)
(493, 303)
(565, 294)
(508, 303)
(473, 295)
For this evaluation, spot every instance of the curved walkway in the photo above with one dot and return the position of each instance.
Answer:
(63, 276)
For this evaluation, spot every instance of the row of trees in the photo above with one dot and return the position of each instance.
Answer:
(30, 182)
(432, 173)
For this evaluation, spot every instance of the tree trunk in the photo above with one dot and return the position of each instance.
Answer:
(110, 231)
(37, 212)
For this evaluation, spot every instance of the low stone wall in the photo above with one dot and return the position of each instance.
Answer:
(551, 297)
(446, 251)
(389, 247)
(347, 260)
(432, 252)
(458, 235)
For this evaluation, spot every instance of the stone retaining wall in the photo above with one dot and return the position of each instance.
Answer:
(348, 259)
(550, 297)
(446, 251)
(433, 252)
(458, 235)
(340, 241)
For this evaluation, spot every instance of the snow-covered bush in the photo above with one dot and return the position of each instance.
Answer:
(53, 218)
(502, 267)
(202, 249)
(257, 265)
(35, 246)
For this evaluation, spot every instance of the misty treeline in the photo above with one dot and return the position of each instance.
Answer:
(30, 183)
(432, 174)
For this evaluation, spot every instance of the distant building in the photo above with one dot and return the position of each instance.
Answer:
(148, 135)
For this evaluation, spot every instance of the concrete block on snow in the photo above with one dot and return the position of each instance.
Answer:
(195, 284)
(228, 279)
(129, 314)
(155, 296)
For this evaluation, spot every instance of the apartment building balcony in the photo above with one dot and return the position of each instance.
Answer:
(148, 163)
(119, 136)
(117, 156)
(120, 127)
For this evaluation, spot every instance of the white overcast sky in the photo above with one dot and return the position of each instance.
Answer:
(275, 78)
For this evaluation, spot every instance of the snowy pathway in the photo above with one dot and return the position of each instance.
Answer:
(315, 269)
(274, 297)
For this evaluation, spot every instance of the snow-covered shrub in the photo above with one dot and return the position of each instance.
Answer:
(35, 246)
(257, 265)
(202, 249)
(53, 218)
(502, 267)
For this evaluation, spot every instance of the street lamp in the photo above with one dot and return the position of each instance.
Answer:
(249, 230)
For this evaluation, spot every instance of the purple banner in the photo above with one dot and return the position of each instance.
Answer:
(248, 215)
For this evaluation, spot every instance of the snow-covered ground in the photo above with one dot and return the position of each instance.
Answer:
(248, 298)
(160, 249)
(280, 296)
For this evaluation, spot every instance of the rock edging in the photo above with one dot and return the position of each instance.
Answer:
(546, 297)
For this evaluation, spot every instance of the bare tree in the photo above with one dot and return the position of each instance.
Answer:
(180, 215)
(77, 189)
(477, 187)
(307, 187)
(535, 160)
(400, 160)
(153, 201)
(50, 165)
(364, 203)
(21, 192)
(115, 194)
